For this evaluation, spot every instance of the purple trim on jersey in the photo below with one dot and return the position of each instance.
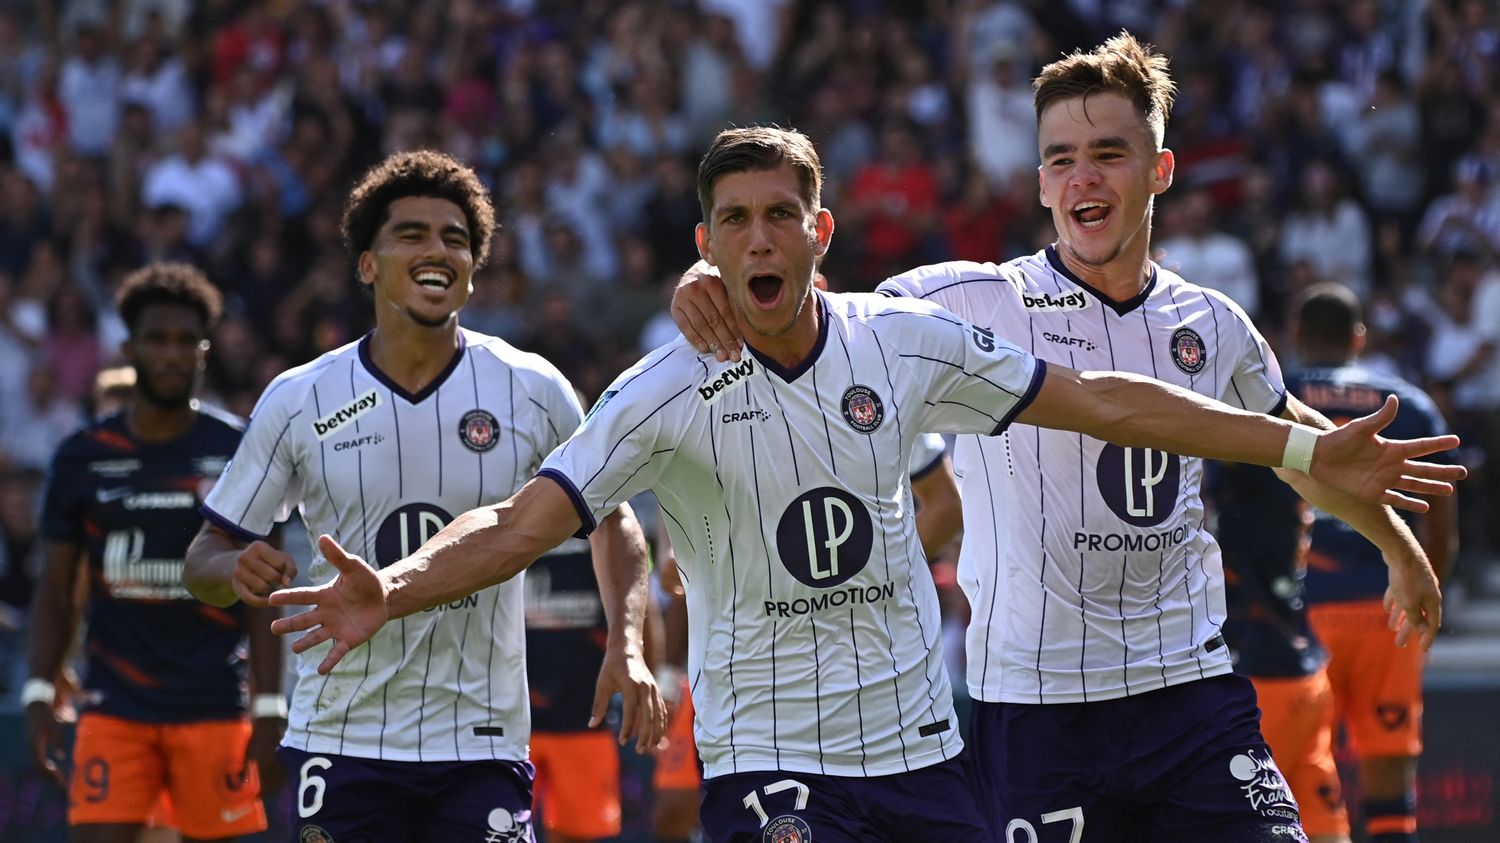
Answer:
(790, 375)
(1119, 307)
(1280, 407)
(1026, 397)
(930, 467)
(584, 513)
(398, 389)
(228, 526)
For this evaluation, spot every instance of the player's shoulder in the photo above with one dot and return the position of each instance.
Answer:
(948, 277)
(531, 369)
(1414, 400)
(99, 438)
(675, 363)
(292, 388)
(219, 420)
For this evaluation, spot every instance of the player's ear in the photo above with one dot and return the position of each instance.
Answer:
(366, 268)
(1041, 186)
(1161, 172)
(823, 231)
(704, 243)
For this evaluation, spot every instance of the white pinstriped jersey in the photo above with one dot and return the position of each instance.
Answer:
(815, 627)
(382, 470)
(1086, 564)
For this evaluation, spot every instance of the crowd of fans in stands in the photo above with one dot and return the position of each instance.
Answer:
(1352, 140)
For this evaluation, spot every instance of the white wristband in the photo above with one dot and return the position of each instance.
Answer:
(268, 705)
(38, 690)
(1299, 449)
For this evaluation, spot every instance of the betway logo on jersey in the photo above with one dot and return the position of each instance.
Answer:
(326, 426)
(1048, 303)
(728, 379)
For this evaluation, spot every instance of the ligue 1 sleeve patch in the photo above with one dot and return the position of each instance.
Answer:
(1188, 351)
(479, 431)
(863, 409)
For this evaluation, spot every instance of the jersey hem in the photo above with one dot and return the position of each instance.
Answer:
(584, 513)
(801, 764)
(228, 526)
(1059, 698)
(330, 746)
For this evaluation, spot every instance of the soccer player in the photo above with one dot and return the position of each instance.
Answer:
(423, 734)
(1377, 685)
(1263, 528)
(164, 709)
(1097, 596)
(823, 706)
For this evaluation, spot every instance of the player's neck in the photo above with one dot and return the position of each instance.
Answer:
(1121, 279)
(149, 421)
(793, 345)
(413, 355)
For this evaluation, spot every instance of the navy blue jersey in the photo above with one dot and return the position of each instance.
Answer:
(1263, 531)
(1343, 565)
(154, 653)
(565, 637)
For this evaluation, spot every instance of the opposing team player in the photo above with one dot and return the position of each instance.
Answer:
(164, 708)
(1263, 528)
(1377, 685)
(1097, 583)
(423, 734)
(823, 706)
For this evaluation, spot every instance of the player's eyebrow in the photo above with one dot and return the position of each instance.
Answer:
(405, 226)
(1109, 142)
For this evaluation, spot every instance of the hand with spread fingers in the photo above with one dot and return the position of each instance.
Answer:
(347, 611)
(1356, 460)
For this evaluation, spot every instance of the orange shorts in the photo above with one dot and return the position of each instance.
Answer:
(677, 763)
(577, 782)
(1377, 686)
(187, 775)
(1296, 718)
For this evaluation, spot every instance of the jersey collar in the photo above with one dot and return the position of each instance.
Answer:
(396, 388)
(1119, 307)
(791, 374)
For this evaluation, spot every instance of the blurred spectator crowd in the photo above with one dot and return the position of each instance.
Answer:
(1353, 140)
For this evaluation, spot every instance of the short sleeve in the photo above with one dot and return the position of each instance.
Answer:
(974, 382)
(1256, 383)
(257, 488)
(64, 502)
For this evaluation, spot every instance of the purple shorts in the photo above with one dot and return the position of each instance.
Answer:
(1186, 764)
(935, 804)
(366, 800)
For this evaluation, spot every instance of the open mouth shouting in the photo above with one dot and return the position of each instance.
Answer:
(1092, 214)
(766, 290)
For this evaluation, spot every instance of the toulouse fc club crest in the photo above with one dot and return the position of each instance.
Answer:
(787, 829)
(479, 431)
(1188, 351)
(862, 408)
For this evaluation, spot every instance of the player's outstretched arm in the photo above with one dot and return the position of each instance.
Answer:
(1138, 412)
(702, 311)
(54, 620)
(1413, 597)
(622, 569)
(480, 548)
(221, 569)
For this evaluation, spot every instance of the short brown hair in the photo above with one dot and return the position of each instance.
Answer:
(1121, 65)
(423, 172)
(755, 149)
(168, 283)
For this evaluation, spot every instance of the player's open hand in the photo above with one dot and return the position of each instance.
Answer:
(347, 611)
(702, 311)
(1356, 460)
(644, 716)
(260, 570)
(1413, 601)
(48, 755)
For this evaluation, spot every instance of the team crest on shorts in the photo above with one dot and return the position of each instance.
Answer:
(787, 829)
(1188, 351)
(862, 408)
(479, 431)
(314, 834)
(506, 827)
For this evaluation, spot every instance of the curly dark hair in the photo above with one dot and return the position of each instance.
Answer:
(424, 172)
(168, 283)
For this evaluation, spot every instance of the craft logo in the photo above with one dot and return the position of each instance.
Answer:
(862, 409)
